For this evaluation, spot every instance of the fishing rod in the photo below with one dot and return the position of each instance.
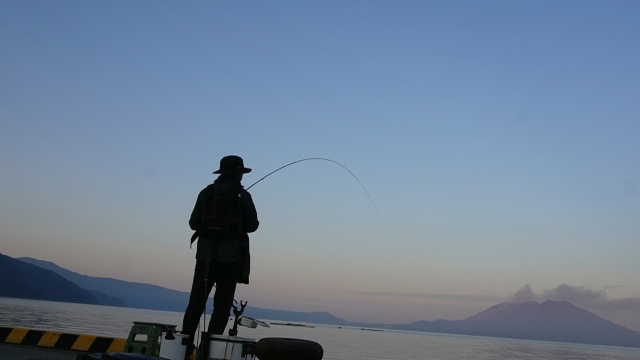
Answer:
(317, 158)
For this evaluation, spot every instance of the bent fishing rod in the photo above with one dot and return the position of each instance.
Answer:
(323, 159)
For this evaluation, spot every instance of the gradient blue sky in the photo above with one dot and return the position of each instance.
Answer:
(499, 141)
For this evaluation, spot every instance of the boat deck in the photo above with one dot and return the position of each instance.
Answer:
(27, 344)
(25, 352)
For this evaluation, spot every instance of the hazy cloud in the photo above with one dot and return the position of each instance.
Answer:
(580, 296)
(609, 287)
(628, 304)
(524, 294)
(449, 297)
(574, 294)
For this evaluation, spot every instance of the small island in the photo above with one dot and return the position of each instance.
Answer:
(292, 324)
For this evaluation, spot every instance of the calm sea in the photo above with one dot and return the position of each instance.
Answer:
(338, 343)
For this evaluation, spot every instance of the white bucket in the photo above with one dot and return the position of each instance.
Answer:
(173, 348)
(231, 348)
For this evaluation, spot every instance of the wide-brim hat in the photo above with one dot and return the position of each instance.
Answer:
(232, 164)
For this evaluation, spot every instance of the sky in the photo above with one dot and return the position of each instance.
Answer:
(498, 141)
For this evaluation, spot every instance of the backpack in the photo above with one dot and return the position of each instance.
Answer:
(221, 216)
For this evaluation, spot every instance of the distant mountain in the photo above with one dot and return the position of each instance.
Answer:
(19, 279)
(147, 296)
(284, 315)
(107, 300)
(133, 294)
(550, 321)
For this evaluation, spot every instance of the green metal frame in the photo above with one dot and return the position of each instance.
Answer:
(153, 331)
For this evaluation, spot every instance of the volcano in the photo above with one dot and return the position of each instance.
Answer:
(548, 321)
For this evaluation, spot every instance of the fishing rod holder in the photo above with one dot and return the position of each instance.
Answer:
(238, 315)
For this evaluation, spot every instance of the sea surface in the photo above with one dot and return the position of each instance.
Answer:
(339, 343)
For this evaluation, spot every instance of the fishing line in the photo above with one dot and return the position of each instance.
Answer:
(318, 158)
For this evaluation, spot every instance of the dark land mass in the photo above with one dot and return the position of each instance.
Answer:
(153, 297)
(305, 317)
(558, 321)
(294, 325)
(550, 321)
(99, 295)
(129, 294)
(22, 280)
(107, 300)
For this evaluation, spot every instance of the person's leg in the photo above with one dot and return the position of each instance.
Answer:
(197, 299)
(227, 276)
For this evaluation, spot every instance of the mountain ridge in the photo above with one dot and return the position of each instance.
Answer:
(558, 321)
(27, 281)
(154, 297)
(133, 294)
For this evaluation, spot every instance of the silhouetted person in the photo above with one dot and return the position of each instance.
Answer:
(223, 216)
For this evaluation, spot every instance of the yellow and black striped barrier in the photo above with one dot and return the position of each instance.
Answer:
(62, 341)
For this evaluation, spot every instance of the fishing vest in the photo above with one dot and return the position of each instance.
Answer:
(222, 213)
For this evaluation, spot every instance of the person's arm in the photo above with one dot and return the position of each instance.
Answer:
(195, 221)
(250, 221)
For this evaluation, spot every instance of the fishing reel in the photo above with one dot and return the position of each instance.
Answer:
(251, 322)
